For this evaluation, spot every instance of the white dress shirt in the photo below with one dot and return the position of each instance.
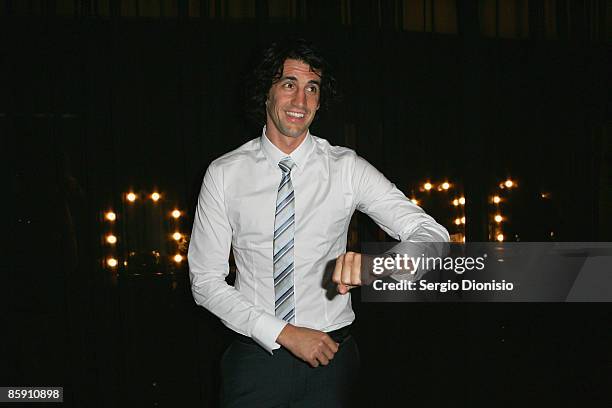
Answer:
(236, 208)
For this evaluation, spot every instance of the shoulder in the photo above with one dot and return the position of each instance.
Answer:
(338, 153)
(246, 152)
(340, 156)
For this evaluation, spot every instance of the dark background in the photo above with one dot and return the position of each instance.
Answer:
(99, 98)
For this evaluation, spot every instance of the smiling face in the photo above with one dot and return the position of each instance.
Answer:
(292, 102)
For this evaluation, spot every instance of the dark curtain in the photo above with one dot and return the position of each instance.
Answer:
(94, 108)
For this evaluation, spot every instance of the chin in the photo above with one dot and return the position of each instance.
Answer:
(296, 133)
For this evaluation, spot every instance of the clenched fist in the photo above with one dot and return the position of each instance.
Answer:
(347, 273)
(353, 269)
(312, 346)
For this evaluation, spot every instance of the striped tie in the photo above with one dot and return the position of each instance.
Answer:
(284, 227)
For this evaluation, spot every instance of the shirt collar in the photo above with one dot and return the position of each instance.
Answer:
(299, 155)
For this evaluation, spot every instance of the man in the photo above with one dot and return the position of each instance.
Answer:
(283, 202)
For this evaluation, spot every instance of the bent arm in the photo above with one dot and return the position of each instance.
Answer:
(380, 199)
(209, 266)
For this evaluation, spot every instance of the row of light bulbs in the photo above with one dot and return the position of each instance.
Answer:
(111, 238)
(460, 201)
(112, 216)
(131, 196)
(498, 218)
(444, 186)
(113, 262)
(456, 202)
(428, 186)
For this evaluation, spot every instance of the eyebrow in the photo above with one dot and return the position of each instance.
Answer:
(292, 78)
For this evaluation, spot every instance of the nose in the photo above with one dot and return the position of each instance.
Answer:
(299, 99)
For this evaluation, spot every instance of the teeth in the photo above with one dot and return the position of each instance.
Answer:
(295, 114)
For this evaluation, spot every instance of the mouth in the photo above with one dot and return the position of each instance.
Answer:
(295, 116)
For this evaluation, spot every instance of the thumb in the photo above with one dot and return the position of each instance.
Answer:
(343, 289)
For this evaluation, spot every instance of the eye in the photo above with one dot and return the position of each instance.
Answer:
(288, 85)
(313, 89)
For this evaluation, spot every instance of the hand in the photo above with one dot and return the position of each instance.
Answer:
(347, 273)
(313, 346)
(353, 269)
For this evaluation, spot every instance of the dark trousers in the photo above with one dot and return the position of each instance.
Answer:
(251, 377)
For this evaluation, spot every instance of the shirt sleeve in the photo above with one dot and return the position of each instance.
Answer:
(208, 258)
(400, 218)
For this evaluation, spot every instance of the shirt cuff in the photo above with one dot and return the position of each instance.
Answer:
(416, 250)
(266, 331)
(412, 251)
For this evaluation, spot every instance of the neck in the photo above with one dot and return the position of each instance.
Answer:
(284, 143)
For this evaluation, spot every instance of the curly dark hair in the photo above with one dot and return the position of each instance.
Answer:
(269, 70)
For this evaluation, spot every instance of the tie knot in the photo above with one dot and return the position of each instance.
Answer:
(286, 165)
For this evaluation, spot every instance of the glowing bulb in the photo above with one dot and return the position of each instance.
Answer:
(131, 197)
(176, 213)
(463, 239)
(498, 218)
(509, 183)
(455, 202)
(178, 258)
(457, 221)
(177, 236)
(445, 185)
(111, 239)
(463, 220)
(500, 237)
(427, 186)
(112, 262)
(496, 199)
(414, 201)
(155, 196)
(462, 201)
(111, 216)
